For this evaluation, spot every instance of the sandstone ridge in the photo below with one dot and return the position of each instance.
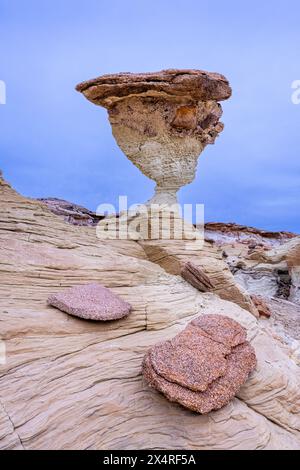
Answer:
(73, 384)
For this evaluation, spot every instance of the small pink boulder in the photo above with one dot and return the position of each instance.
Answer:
(91, 302)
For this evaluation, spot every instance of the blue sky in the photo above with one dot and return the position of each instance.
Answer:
(55, 143)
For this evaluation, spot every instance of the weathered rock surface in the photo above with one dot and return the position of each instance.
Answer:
(232, 242)
(204, 366)
(162, 121)
(196, 277)
(261, 306)
(289, 255)
(91, 302)
(70, 212)
(268, 269)
(228, 233)
(70, 384)
(220, 233)
(197, 85)
(240, 361)
(173, 256)
(263, 263)
(272, 273)
(284, 324)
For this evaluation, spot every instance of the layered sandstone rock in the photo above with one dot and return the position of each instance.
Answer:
(266, 264)
(230, 233)
(272, 272)
(196, 85)
(284, 324)
(263, 263)
(174, 256)
(162, 121)
(288, 255)
(196, 277)
(105, 404)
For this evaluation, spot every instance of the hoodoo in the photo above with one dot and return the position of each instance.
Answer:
(162, 121)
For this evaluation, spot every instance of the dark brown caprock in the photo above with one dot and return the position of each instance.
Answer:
(196, 84)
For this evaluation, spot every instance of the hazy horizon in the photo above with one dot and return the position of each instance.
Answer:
(54, 143)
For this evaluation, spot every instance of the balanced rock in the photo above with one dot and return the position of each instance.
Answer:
(91, 302)
(162, 120)
(204, 366)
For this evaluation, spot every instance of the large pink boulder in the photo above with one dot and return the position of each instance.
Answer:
(204, 366)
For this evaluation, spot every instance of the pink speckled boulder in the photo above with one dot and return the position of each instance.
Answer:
(204, 366)
(91, 302)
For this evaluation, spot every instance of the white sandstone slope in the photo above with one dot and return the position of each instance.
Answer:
(73, 384)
